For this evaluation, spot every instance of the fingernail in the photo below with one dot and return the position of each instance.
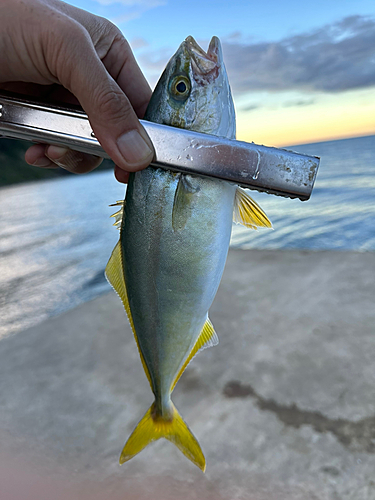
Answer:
(56, 152)
(42, 162)
(64, 157)
(133, 147)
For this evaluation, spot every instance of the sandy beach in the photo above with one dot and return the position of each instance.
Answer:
(283, 407)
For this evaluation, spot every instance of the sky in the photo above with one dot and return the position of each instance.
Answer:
(300, 72)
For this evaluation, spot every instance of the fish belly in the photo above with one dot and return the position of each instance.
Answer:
(175, 238)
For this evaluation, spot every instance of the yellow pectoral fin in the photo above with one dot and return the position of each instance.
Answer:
(207, 338)
(153, 427)
(114, 273)
(247, 212)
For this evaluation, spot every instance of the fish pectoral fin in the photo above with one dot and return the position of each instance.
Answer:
(114, 272)
(153, 427)
(207, 338)
(183, 202)
(247, 212)
(119, 214)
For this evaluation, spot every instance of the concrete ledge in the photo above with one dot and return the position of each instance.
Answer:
(284, 407)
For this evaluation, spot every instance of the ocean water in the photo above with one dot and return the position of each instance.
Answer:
(56, 236)
(340, 214)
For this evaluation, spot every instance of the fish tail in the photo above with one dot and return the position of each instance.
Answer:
(154, 426)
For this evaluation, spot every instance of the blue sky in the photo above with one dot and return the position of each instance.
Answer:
(300, 71)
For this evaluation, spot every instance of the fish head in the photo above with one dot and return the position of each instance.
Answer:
(193, 91)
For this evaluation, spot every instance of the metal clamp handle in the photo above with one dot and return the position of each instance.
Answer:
(275, 171)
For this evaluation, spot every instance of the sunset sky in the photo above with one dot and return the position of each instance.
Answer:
(300, 71)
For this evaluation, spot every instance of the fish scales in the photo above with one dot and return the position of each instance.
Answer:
(172, 274)
(174, 240)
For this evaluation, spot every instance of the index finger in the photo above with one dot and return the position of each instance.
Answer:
(115, 53)
(122, 66)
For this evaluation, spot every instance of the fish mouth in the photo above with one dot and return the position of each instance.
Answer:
(205, 64)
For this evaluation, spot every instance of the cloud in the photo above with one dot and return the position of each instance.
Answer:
(250, 107)
(153, 63)
(334, 58)
(138, 43)
(235, 35)
(129, 9)
(301, 102)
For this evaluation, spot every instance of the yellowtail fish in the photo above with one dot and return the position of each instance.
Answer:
(174, 239)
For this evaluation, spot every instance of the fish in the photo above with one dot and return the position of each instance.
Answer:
(174, 237)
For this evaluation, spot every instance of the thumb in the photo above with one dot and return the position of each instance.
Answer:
(111, 115)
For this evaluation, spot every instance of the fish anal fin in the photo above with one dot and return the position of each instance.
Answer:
(247, 212)
(207, 338)
(115, 276)
(153, 427)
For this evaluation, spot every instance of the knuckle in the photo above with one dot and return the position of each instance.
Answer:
(121, 40)
(114, 105)
(113, 30)
(105, 29)
(107, 36)
(110, 29)
(122, 44)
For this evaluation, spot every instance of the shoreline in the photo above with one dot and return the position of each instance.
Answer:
(15, 171)
(257, 252)
(283, 407)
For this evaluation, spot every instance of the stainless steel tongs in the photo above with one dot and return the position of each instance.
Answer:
(275, 171)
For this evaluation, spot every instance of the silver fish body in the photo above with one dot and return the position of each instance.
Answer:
(175, 232)
(175, 243)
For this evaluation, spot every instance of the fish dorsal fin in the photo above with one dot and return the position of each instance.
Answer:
(115, 276)
(119, 214)
(207, 338)
(247, 212)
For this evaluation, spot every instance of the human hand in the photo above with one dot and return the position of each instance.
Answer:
(51, 49)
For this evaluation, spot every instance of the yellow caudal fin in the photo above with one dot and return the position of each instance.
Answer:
(153, 427)
(248, 213)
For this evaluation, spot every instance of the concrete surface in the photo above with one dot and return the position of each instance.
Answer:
(284, 407)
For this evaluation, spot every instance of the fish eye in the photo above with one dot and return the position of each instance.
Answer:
(180, 87)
